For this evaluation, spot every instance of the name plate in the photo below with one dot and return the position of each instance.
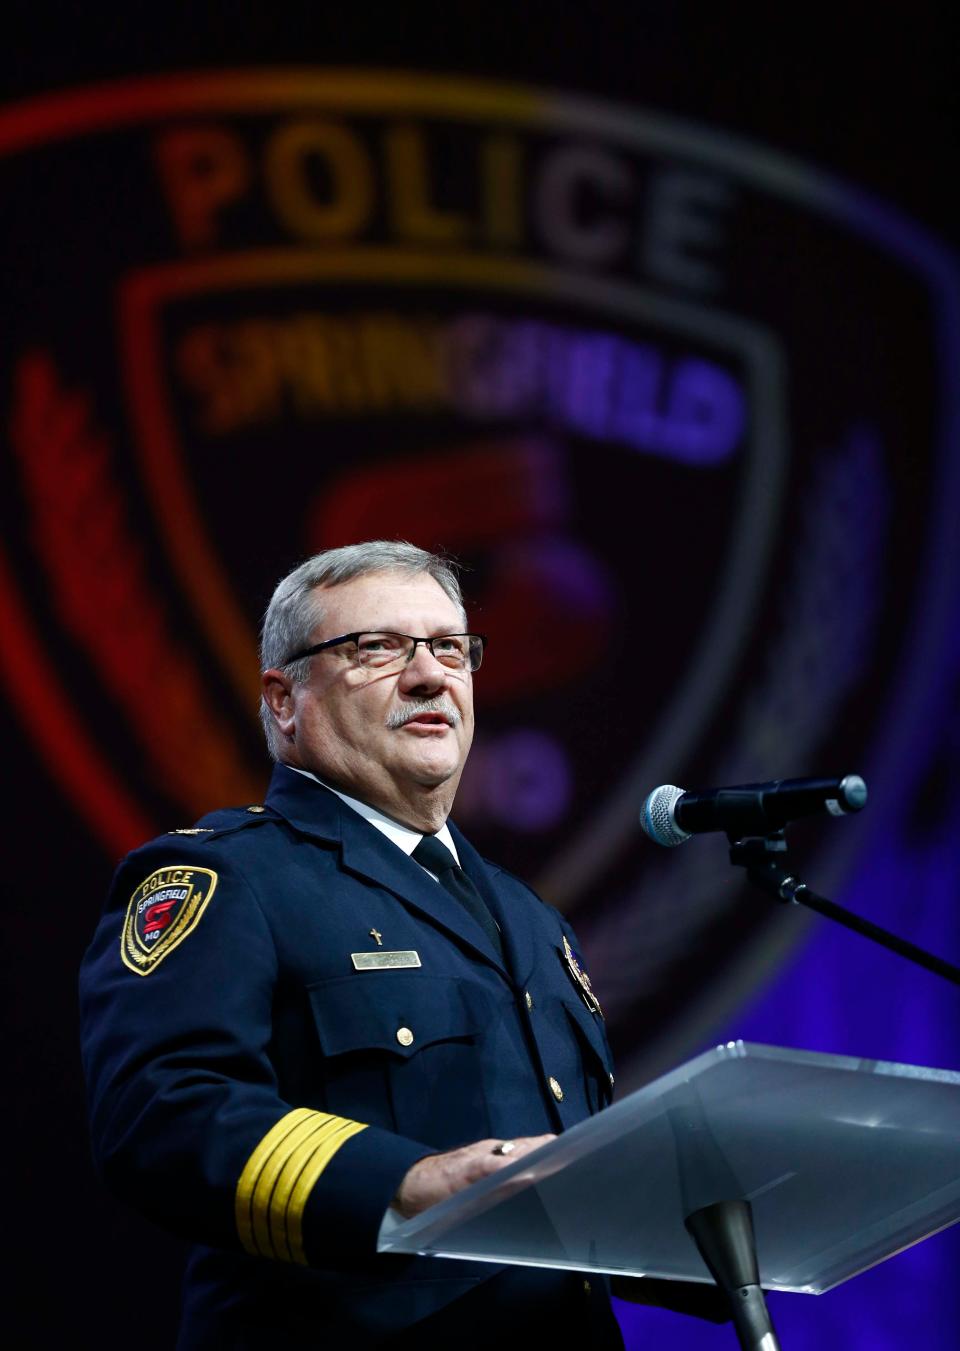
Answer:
(383, 961)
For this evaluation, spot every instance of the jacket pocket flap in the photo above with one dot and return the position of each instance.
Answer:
(396, 1011)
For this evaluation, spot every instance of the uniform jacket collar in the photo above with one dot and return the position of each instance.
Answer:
(312, 809)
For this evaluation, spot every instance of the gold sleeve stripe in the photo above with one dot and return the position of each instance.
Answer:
(263, 1201)
(243, 1200)
(307, 1180)
(277, 1179)
(323, 1129)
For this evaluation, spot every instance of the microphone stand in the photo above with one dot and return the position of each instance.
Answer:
(765, 859)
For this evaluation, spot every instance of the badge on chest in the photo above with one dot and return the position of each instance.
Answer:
(581, 979)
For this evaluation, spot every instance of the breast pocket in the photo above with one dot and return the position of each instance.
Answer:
(401, 1050)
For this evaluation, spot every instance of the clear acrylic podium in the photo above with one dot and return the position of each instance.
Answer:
(844, 1161)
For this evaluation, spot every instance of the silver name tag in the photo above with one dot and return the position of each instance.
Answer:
(383, 961)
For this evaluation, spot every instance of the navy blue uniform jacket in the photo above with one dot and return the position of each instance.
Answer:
(249, 1090)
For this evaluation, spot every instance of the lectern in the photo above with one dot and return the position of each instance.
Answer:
(841, 1163)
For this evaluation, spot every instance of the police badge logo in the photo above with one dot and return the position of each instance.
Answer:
(162, 912)
(582, 980)
(679, 402)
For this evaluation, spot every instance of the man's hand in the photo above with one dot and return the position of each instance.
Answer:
(438, 1176)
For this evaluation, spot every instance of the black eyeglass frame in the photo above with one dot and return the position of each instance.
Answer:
(354, 637)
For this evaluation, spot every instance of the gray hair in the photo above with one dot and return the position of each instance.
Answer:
(296, 608)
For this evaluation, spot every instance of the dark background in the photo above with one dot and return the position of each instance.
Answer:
(870, 95)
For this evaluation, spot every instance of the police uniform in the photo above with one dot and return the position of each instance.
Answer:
(282, 1013)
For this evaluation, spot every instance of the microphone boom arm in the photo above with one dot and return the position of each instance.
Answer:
(764, 858)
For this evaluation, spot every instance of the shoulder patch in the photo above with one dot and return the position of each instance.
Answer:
(162, 911)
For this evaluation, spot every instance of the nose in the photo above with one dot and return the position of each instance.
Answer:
(423, 670)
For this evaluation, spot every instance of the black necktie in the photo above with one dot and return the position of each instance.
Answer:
(437, 858)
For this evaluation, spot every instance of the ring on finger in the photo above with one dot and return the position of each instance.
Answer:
(504, 1147)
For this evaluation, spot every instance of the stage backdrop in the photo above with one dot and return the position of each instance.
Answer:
(685, 407)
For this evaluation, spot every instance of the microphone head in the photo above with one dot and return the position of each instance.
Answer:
(657, 819)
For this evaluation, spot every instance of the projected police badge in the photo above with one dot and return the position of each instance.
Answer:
(676, 402)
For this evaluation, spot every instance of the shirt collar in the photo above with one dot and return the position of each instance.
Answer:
(402, 836)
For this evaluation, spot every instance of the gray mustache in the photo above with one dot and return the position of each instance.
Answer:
(400, 716)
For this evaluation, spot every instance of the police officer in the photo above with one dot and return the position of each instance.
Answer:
(309, 1018)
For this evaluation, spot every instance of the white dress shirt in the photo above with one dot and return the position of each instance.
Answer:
(402, 836)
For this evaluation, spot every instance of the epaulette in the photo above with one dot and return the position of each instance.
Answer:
(227, 821)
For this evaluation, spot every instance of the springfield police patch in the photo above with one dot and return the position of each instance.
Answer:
(162, 911)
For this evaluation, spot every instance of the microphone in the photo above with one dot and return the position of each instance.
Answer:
(669, 815)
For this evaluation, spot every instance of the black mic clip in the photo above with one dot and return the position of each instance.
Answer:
(764, 857)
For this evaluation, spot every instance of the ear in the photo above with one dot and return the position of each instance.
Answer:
(278, 695)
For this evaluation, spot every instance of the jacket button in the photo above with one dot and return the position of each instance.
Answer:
(555, 1089)
(404, 1036)
(528, 999)
(612, 1081)
(587, 1288)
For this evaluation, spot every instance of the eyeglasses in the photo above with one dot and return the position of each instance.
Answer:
(381, 651)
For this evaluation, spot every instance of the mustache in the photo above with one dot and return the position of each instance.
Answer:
(414, 708)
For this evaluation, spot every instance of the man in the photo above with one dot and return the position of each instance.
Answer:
(296, 1032)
